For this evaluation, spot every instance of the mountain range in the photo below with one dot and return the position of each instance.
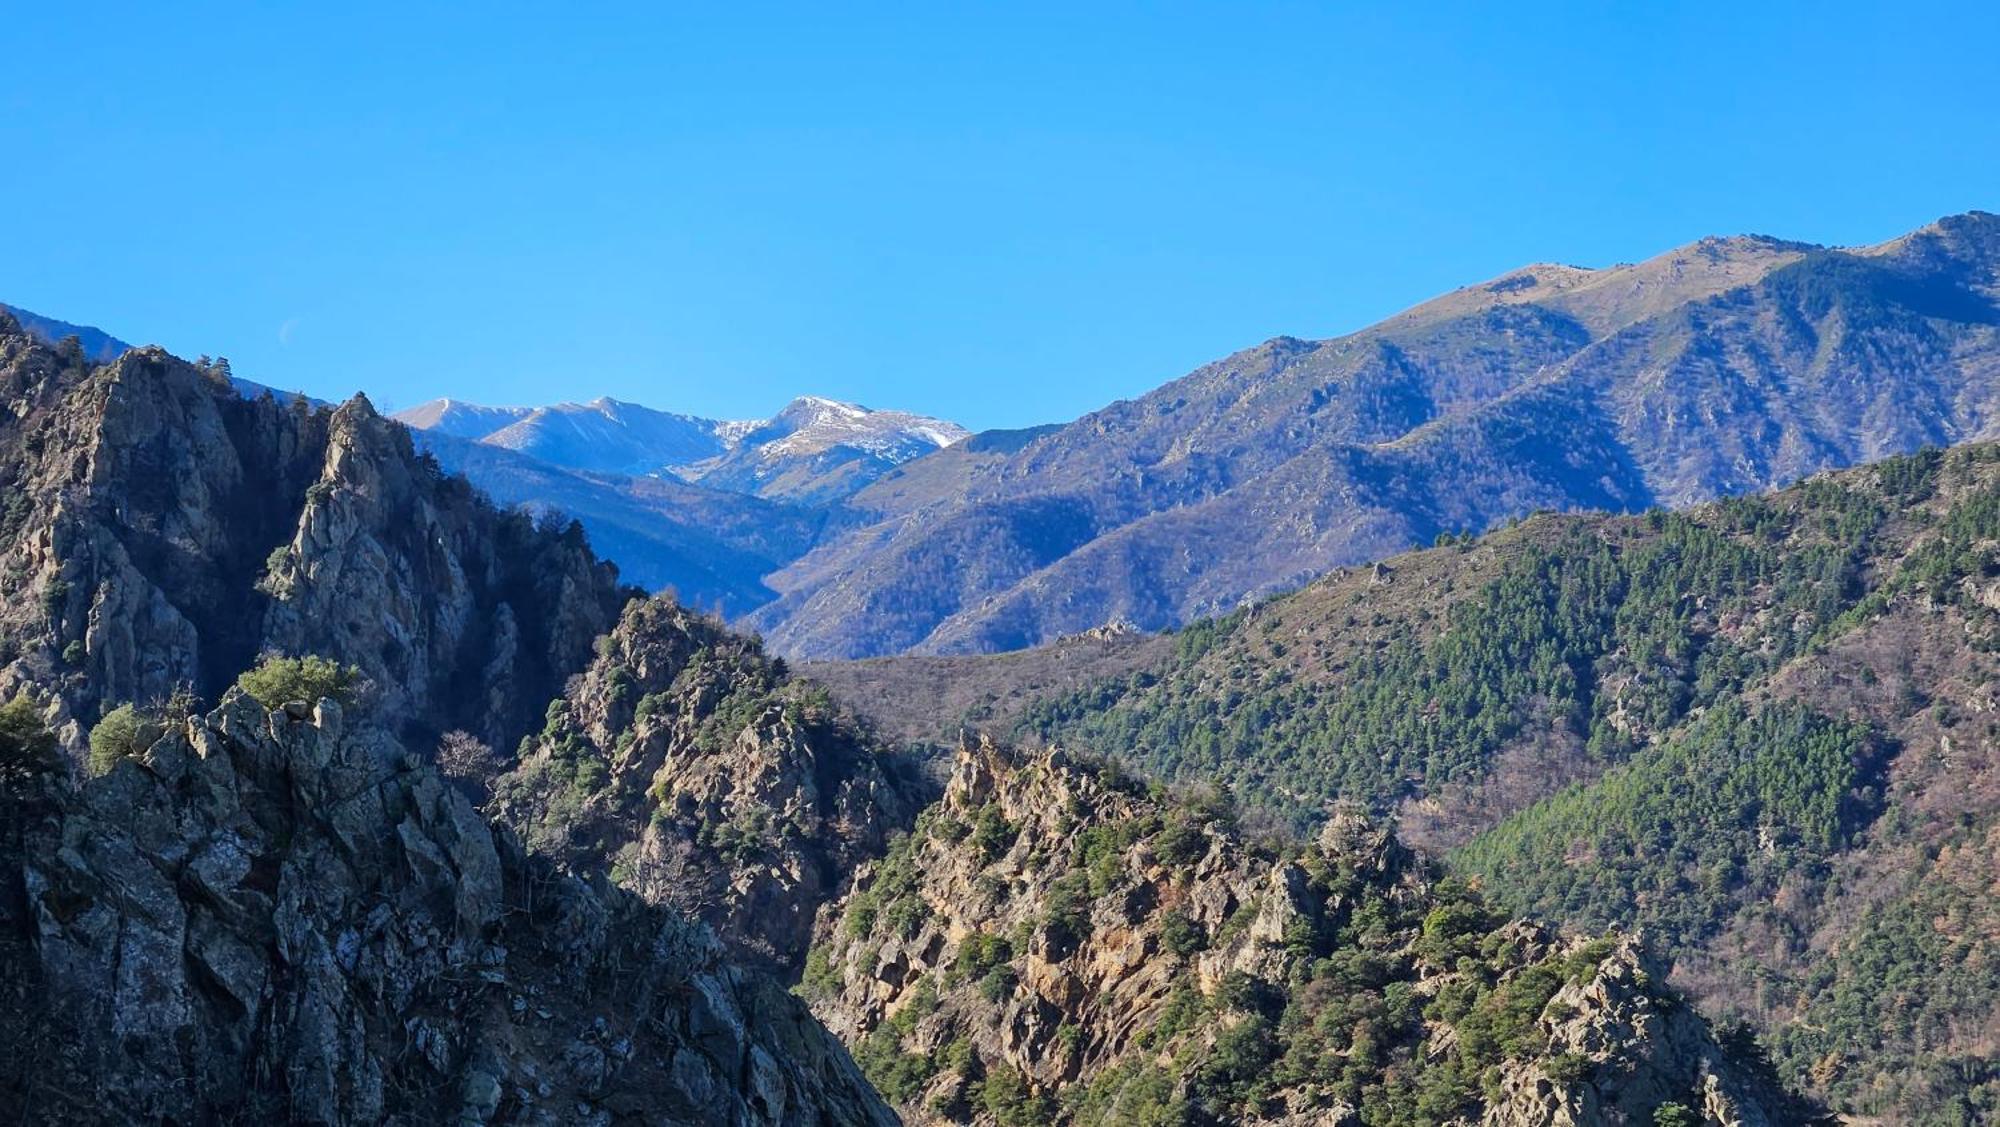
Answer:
(1724, 366)
(97, 344)
(360, 790)
(699, 507)
(352, 797)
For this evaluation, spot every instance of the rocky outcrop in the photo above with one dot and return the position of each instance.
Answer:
(699, 773)
(1053, 942)
(284, 917)
(1638, 1048)
(163, 531)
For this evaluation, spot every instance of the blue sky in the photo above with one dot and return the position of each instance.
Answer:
(1001, 213)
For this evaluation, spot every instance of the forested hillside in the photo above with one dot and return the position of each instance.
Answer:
(1764, 730)
(1038, 942)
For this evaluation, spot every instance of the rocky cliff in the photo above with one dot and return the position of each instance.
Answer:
(284, 916)
(1057, 943)
(162, 531)
(698, 772)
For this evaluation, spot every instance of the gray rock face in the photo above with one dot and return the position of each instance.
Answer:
(278, 917)
(163, 531)
(1639, 1048)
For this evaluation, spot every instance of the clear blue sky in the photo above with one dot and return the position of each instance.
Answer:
(1002, 213)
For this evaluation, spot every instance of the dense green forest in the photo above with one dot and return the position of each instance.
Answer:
(1604, 629)
(1694, 825)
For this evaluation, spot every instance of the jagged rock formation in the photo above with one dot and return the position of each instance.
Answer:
(704, 776)
(283, 917)
(161, 531)
(1639, 1051)
(1725, 366)
(1053, 943)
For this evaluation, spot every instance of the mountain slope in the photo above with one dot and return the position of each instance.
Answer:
(1762, 730)
(459, 419)
(706, 545)
(819, 451)
(608, 436)
(692, 766)
(1725, 366)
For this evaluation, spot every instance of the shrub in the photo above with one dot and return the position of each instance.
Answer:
(1180, 844)
(1674, 1115)
(54, 597)
(979, 954)
(1180, 935)
(998, 984)
(277, 680)
(991, 834)
(121, 734)
(27, 747)
(1012, 1102)
(896, 1074)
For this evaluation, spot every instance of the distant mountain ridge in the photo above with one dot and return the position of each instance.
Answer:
(814, 451)
(1724, 366)
(458, 418)
(99, 346)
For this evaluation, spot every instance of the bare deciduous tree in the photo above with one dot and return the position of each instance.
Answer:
(465, 758)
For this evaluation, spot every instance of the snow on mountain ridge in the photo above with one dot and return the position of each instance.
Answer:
(812, 424)
(811, 437)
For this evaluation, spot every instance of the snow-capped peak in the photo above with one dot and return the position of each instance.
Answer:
(607, 434)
